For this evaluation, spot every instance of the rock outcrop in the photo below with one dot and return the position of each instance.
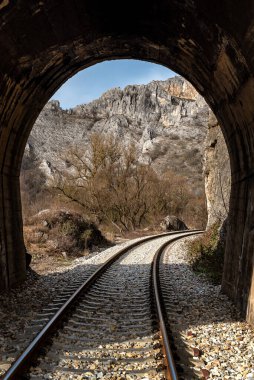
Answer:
(166, 120)
(172, 223)
(62, 231)
(217, 173)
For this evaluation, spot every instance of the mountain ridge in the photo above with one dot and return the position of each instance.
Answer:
(165, 120)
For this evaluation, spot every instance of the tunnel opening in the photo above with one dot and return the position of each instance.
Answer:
(211, 48)
(162, 123)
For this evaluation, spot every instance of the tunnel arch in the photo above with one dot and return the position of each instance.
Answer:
(209, 43)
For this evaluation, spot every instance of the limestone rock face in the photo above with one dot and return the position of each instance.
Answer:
(169, 123)
(172, 223)
(165, 120)
(217, 173)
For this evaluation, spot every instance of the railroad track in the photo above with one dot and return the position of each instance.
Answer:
(110, 327)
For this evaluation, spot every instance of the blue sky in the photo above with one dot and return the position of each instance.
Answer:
(92, 82)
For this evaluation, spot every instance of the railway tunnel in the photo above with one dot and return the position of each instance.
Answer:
(210, 43)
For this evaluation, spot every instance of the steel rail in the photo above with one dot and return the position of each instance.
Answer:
(171, 372)
(23, 362)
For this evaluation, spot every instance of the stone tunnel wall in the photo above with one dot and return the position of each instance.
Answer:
(210, 43)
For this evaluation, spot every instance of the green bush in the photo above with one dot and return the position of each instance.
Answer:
(206, 254)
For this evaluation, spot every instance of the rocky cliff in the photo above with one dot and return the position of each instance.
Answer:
(217, 173)
(166, 120)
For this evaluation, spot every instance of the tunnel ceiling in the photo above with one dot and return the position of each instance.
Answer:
(188, 36)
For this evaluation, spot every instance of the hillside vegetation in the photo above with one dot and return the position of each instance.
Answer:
(122, 162)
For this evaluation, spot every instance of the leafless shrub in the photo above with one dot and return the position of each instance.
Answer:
(112, 188)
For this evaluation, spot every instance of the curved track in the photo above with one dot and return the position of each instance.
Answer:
(108, 328)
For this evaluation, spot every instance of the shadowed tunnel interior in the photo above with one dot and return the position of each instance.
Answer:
(44, 43)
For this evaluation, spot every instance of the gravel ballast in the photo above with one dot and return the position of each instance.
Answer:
(111, 334)
(214, 342)
(20, 306)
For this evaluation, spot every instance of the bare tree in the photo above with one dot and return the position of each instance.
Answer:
(112, 187)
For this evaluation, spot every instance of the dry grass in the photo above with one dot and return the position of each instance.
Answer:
(61, 234)
(206, 254)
